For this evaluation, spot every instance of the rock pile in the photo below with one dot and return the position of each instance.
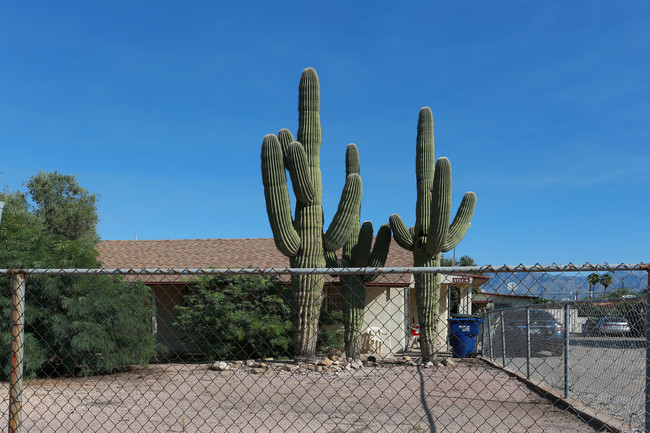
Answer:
(335, 363)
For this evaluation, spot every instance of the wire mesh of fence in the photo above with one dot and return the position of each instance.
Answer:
(213, 350)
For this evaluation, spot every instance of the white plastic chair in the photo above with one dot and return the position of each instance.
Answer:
(373, 342)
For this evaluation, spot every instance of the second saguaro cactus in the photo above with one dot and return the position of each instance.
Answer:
(301, 236)
(432, 233)
(358, 252)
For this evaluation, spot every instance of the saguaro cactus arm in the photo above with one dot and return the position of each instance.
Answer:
(286, 138)
(309, 128)
(424, 170)
(356, 251)
(332, 261)
(347, 215)
(298, 167)
(278, 203)
(440, 207)
(403, 236)
(382, 244)
(352, 159)
(339, 229)
(461, 223)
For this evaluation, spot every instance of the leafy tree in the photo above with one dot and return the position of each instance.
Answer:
(63, 206)
(466, 261)
(25, 242)
(242, 317)
(463, 261)
(75, 324)
(542, 300)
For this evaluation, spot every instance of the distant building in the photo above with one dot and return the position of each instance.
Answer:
(493, 301)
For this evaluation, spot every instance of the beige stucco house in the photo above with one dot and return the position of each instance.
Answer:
(390, 298)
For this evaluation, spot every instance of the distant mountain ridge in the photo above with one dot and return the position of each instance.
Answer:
(561, 285)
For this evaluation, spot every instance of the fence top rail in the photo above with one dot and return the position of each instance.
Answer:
(339, 271)
(602, 302)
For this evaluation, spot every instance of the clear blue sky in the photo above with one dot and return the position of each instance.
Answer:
(160, 108)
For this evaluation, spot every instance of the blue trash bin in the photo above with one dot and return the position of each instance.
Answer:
(462, 334)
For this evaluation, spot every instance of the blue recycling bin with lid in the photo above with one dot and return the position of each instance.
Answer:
(462, 335)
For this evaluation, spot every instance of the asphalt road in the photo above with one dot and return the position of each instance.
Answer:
(607, 373)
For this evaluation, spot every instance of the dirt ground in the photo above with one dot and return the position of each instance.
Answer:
(466, 397)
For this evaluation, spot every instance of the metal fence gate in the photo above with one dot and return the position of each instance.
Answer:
(109, 350)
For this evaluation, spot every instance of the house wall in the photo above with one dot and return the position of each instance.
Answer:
(165, 297)
(386, 311)
(442, 339)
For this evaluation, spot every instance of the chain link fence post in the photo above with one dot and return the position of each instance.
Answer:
(567, 327)
(17, 353)
(647, 359)
(528, 343)
(489, 330)
(503, 340)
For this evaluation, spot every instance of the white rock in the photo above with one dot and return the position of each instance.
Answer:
(220, 366)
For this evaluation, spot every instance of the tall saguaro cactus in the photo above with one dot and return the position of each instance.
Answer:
(432, 233)
(301, 237)
(357, 254)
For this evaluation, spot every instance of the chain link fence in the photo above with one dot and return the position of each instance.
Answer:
(215, 351)
(587, 345)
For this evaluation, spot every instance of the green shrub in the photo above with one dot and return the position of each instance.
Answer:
(236, 317)
(81, 325)
(330, 332)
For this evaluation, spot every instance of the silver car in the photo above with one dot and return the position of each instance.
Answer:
(546, 333)
(613, 326)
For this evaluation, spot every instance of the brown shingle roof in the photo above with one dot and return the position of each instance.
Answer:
(209, 253)
(259, 253)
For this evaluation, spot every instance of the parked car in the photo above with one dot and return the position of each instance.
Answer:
(606, 326)
(546, 333)
(590, 327)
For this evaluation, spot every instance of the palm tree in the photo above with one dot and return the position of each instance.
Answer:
(606, 281)
(593, 279)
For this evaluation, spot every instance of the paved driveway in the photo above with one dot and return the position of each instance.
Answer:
(467, 397)
(607, 373)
